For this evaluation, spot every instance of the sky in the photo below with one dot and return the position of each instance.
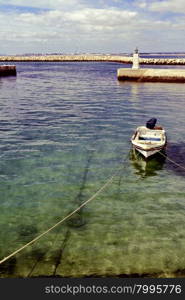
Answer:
(91, 26)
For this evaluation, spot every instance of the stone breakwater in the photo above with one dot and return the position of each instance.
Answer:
(98, 58)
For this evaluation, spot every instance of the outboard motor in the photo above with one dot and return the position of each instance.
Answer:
(151, 123)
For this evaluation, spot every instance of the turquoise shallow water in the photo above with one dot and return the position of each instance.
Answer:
(65, 128)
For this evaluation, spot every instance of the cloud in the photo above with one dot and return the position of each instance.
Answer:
(84, 27)
(49, 4)
(104, 17)
(87, 25)
(86, 20)
(142, 4)
(176, 6)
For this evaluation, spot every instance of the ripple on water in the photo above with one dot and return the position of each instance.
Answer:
(65, 128)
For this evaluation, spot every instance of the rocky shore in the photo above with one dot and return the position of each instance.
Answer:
(106, 58)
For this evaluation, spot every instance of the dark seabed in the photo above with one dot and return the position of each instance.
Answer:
(65, 129)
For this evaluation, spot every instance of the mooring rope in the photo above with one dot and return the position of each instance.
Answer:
(182, 167)
(66, 217)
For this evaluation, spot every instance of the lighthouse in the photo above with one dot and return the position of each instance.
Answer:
(135, 64)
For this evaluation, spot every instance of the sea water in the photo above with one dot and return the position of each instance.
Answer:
(65, 129)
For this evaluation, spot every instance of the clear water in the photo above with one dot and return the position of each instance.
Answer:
(65, 129)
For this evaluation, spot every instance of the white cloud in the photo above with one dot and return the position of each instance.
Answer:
(141, 4)
(105, 17)
(177, 6)
(74, 24)
(61, 27)
(86, 19)
(50, 4)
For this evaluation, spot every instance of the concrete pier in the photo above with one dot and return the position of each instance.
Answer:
(160, 75)
(7, 70)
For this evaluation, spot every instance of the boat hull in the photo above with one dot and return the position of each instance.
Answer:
(149, 152)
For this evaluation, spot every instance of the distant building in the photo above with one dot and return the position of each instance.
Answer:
(135, 64)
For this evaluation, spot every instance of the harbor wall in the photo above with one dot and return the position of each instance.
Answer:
(106, 58)
(6, 70)
(160, 75)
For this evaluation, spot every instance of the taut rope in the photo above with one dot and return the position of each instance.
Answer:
(182, 167)
(65, 218)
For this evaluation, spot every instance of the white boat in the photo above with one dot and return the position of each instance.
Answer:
(149, 139)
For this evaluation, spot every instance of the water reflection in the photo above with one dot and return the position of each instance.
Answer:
(174, 159)
(146, 167)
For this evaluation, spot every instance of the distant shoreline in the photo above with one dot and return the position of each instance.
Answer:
(93, 58)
